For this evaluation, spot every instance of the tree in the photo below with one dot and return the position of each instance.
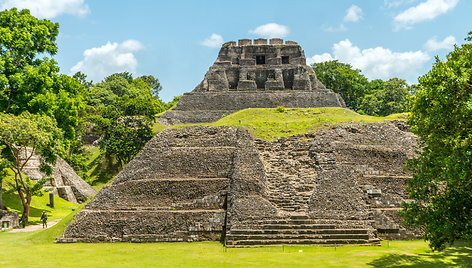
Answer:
(3, 174)
(441, 116)
(28, 83)
(126, 137)
(23, 136)
(343, 79)
(384, 98)
(123, 113)
(153, 83)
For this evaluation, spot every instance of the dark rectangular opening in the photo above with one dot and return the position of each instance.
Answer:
(260, 59)
(285, 60)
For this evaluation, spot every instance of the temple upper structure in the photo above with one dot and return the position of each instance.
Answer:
(256, 73)
(260, 65)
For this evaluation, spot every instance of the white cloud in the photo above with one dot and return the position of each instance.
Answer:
(48, 9)
(424, 11)
(377, 63)
(353, 14)
(271, 30)
(433, 44)
(215, 40)
(331, 29)
(99, 62)
(397, 3)
(319, 58)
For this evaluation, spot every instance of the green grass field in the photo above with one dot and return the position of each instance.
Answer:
(61, 209)
(36, 249)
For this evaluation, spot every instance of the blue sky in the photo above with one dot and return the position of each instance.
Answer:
(177, 41)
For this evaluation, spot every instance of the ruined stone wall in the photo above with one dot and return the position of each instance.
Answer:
(64, 183)
(8, 220)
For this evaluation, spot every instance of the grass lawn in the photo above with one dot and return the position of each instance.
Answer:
(273, 123)
(61, 209)
(37, 249)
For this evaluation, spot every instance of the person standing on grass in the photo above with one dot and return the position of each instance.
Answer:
(44, 218)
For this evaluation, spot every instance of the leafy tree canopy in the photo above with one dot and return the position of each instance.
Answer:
(123, 109)
(343, 79)
(31, 84)
(441, 116)
(378, 97)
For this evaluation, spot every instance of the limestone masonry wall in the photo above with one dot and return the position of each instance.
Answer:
(341, 184)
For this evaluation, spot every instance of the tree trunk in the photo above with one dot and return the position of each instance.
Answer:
(2, 205)
(25, 215)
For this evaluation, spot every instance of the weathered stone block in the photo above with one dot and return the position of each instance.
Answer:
(260, 41)
(248, 85)
(244, 42)
(276, 41)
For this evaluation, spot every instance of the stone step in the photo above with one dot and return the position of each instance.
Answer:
(297, 242)
(284, 236)
(299, 231)
(298, 226)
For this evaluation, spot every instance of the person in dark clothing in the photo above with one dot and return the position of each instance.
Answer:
(44, 218)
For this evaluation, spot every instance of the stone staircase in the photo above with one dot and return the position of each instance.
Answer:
(296, 230)
(290, 174)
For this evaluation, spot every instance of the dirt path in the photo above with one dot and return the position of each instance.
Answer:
(31, 228)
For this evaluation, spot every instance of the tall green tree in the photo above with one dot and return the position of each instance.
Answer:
(22, 137)
(28, 83)
(386, 97)
(441, 116)
(350, 83)
(123, 110)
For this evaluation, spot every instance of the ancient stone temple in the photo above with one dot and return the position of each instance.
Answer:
(340, 185)
(253, 74)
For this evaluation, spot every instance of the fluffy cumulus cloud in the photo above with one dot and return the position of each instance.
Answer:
(215, 40)
(48, 9)
(424, 11)
(353, 14)
(376, 63)
(271, 30)
(433, 44)
(99, 62)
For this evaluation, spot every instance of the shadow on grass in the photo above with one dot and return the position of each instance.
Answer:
(459, 255)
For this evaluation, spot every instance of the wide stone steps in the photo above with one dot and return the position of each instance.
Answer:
(295, 236)
(293, 231)
(296, 242)
(298, 229)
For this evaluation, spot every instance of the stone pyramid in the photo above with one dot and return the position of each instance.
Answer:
(339, 185)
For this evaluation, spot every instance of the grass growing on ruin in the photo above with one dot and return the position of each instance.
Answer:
(273, 123)
(35, 249)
